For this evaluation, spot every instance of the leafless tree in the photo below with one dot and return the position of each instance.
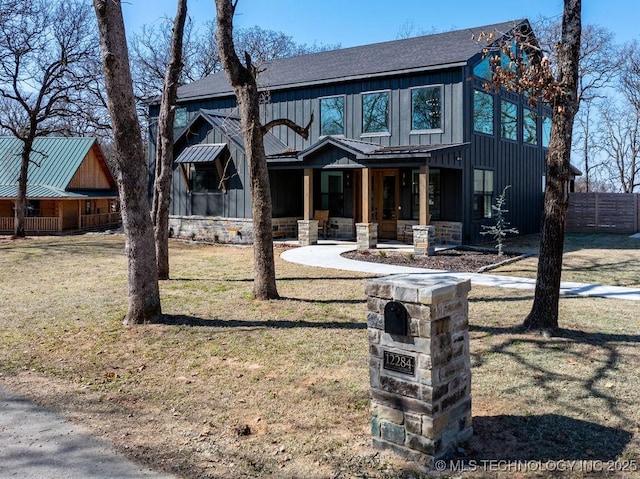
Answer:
(555, 83)
(129, 165)
(620, 140)
(243, 80)
(46, 53)
(164, 144)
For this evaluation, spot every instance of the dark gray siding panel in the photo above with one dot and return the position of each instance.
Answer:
(287, 192)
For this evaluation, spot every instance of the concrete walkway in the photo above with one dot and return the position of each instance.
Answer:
(327, 253)
(36, 443)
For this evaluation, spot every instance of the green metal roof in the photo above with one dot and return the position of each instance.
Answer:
(58, 159)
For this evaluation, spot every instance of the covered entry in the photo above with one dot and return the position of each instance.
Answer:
(388, 188)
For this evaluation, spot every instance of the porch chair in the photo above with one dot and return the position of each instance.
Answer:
(323, 221)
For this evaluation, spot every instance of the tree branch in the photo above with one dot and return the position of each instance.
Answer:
(303, 132)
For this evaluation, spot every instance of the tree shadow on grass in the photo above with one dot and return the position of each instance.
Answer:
(546, 437)
(184, 320)
(577, 385)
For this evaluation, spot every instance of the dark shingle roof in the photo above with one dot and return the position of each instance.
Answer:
(419, 53)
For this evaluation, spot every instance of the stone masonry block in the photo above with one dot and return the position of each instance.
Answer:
(405, 294)
(375, 427)
(376, 305)
(406, 343)
(375, 320)
(389, 414)
(379, 289)
(421, 443)
(403, 403)
(413, 423)
(399, 386)
(418, 311)
(392, 432)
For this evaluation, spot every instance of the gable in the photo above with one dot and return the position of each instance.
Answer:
(92, 173)
(55, 163)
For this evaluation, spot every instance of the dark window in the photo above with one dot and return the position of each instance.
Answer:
(482, 112)
(87, 207)
(426, 108)
(375, 112)
(482, 193)
(509, 120)
(434, 194)
(530, 127)
(546, 131)
(332, 192)
(332, 116)
(205, 177)
(33, 208)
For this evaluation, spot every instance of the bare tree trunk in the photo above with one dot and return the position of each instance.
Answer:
(544, 312)
(21, 200)
(130, 166)
(243, 80)
(164, 145)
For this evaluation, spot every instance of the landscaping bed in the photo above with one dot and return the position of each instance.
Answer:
(460, 259)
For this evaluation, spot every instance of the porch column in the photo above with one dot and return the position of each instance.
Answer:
(366, 232)
(308, 193)
(423, 186)
(79, 214)
(60, 205)
(366, 195)
(308, 227)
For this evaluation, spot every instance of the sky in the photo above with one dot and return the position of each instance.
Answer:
(359, 22)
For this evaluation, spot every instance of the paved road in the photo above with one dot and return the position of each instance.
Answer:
(36, 443)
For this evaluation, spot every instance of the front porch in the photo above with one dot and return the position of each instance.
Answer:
(53, 224)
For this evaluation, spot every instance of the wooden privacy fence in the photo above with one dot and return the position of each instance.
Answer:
(603, 212)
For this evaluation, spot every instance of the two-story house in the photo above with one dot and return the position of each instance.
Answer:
(404, 134)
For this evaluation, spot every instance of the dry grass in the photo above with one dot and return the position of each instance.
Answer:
(232, 387)
(588, 258)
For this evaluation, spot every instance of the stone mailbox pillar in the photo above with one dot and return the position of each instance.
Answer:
(419, 365)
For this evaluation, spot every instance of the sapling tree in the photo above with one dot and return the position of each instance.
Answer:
(501, 228)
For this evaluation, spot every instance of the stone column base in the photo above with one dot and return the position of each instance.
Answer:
(424, 238)
(307, 232)
(366, 236)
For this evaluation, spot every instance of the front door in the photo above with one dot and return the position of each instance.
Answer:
(386, 202)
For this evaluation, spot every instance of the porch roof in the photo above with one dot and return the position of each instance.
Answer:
(203, 153)
(361, 152)
(53, 192)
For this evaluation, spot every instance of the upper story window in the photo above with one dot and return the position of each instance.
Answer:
(180, 119)
(375, 112)
(482, 193)
(483, 69)
(332, 115)
(509, 120)
(426, 108)
(546, 131)
(530, 127)
(482, 112)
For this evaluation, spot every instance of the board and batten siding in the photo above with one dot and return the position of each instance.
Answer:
(235, 202)
(297, 105)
